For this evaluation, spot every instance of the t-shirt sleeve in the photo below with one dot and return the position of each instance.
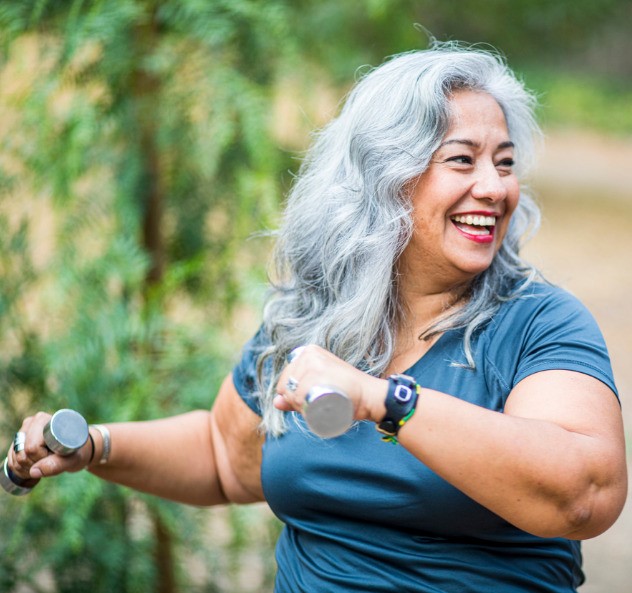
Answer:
(558, 333)
(245, 376)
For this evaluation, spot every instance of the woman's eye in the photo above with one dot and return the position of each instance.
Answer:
(461, 159)
(506, 163)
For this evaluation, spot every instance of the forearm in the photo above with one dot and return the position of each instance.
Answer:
(172, 458)
(535, 474)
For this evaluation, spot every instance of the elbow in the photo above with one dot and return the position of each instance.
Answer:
(578, 518)
(588, 500)
(577, 511)
(592, 512)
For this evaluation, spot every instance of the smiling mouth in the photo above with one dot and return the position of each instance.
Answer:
(474, 224)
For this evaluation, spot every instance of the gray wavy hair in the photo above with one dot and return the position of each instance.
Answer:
(348, 214)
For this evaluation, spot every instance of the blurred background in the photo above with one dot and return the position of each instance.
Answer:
(145, 144)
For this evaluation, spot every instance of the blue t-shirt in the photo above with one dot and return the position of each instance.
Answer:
(366, 516)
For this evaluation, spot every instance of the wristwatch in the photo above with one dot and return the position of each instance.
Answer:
(401, 400)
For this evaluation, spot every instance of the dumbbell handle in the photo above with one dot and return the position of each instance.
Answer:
(65, 433)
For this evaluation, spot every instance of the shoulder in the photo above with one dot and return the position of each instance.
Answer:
(246, 373)
(540, 306)
(544, 327)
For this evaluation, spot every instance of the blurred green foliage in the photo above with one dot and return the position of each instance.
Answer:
(140, 147)
(584, 101)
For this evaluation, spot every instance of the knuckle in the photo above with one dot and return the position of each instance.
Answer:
(31, 449)
(50, 467)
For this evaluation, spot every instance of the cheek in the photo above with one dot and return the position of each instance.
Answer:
(513, 193)
(512, 202)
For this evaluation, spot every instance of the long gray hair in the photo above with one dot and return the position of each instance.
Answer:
(348, 215)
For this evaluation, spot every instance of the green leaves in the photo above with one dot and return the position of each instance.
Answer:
(139, 148)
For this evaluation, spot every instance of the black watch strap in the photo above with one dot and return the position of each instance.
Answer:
(401, 401)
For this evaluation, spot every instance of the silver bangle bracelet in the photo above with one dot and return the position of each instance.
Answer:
(107, 442)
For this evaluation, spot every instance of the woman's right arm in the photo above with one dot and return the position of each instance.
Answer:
(200, 458)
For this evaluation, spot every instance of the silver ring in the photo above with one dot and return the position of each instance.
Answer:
(19, 441)
(292, 384)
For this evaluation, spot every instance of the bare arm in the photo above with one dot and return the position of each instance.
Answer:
(200, 458)
(552, 464)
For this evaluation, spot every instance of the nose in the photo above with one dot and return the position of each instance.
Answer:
(489, 184)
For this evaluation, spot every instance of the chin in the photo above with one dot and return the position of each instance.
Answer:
(470, 270)
(474, 264)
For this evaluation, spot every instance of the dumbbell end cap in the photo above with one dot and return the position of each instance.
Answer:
(66, 432)
(13, 484)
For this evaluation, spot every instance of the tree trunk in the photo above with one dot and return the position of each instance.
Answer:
(165, 561)
(151, 193)
(146, 96)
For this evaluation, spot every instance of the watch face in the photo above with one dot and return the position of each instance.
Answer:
(403, 394)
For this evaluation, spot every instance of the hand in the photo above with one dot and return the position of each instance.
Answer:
(316, 366)
(36, 460)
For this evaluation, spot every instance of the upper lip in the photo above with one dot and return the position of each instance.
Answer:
(476, 213)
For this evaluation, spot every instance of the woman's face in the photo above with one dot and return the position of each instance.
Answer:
(464, 200)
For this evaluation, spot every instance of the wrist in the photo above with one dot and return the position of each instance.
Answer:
(400, 404)
(376, 408)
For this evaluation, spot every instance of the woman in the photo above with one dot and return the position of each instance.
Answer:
(399, 253)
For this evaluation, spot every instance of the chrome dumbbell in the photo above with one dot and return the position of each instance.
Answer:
(65, 433)
(328, 411)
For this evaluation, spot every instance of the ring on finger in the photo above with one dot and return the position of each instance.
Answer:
(292, 384)
(19, 441)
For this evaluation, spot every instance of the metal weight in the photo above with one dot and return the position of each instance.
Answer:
(65, 433)
(328, 411)
(14, 484)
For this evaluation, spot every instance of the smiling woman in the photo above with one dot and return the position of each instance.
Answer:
(400, 279)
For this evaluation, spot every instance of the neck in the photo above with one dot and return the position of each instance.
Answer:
(421, 310)
(427, 295)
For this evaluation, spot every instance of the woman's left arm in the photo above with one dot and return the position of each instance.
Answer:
(553, 464)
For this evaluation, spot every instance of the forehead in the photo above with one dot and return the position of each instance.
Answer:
(475, 112)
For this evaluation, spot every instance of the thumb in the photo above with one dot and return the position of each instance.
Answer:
(52, 465)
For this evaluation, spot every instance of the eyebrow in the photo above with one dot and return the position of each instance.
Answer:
(502, 145)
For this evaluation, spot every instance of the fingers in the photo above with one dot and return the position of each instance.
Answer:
(308, 367)
(312, 366)
(297, 377)
(32, 448)
(282, 404)
(30, 458)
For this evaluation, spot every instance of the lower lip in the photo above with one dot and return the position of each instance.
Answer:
(477, 238)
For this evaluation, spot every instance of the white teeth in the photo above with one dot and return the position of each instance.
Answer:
(475, 220)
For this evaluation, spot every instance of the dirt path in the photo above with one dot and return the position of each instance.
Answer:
(585, 244)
